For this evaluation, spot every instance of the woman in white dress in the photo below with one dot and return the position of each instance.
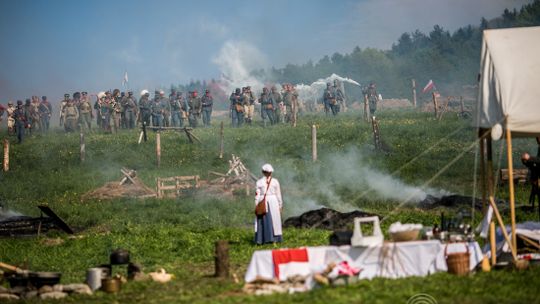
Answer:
(268, 226)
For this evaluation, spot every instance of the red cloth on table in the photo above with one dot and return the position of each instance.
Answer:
(285, 256)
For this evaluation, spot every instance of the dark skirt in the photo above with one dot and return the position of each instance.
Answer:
(265, 230)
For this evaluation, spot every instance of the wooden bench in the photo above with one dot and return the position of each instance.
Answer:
(519, 176)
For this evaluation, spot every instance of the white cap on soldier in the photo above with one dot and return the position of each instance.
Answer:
(267, 168)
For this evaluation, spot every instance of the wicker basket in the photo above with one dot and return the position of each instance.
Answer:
(405, 236)
(458, 262)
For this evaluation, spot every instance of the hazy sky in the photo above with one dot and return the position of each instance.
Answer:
(56, 46)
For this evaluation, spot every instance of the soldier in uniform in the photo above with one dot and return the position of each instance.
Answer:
(166, 109)
(144, 108)
(130, 110)
(21, 120)
(106, 111)
(175, 103)
(249, 104)
(287, 103)
(116, 109)
(71, 115)
(329, 100)
(11, 118)
(29, 115)
(237, 108)
(267, 107)
(45, 111)
(340, 96)
(63, 103)
(373, 98)
(278, 104)
(533, 164)
(207, 102)
(35, 115)
(195, 107)
(85, 112)
(157, 112)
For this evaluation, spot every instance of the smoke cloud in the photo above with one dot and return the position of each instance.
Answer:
(340, 180)
(315, 90)
(236, 60)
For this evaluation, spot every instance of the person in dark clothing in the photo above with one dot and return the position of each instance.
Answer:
(533, 164)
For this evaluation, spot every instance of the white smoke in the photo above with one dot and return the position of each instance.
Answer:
(6, 213)
(346, 172)
(236, 60)
(314, 91)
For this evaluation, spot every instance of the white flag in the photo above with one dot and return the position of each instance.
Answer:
(125, 80)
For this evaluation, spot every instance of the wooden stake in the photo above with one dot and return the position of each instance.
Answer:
(493, 243)
(366, 108)
(158, 148)
(5, 163)
(483, 169)
(221, 143)
(140, 137)
(511, 185)
(314, 143)
(413, 92)
(144, 131)
(222, 259)
(503, 228)
(435, 105)
(83, 148)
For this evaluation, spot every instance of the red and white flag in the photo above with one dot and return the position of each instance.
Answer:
(288, 262)
(430, 85)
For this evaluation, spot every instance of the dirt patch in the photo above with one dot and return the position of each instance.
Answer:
(113, 190)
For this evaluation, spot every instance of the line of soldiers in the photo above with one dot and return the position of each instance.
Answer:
(175, 111)
(276, 107)
(23, 118)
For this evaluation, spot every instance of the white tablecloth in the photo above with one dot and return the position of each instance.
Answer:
(390, 260)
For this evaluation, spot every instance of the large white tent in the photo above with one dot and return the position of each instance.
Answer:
(509, 84)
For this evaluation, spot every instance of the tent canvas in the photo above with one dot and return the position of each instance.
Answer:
(509, 84)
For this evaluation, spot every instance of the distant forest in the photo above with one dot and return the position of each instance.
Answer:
(451, 60)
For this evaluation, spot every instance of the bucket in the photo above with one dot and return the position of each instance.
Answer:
(93, 278)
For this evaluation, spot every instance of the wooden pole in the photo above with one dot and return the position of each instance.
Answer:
(511, 185)
(5, 163)
(83, 148)
(222, 259)
(158, 148)
(140, 137)
(489, 169)
(493, 243)
(144, 131)
(366, 108)
(435, 105)
(483, 169)
(221, 143)
(413, 92)
(503, 228)
(314, 143)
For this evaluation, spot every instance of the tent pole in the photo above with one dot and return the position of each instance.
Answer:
(483, 168)
(489, 169)
(503, 228)
(511, 185)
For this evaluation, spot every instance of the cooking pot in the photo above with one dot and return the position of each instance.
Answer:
(42, 278)
(110, 285)
(119, 257)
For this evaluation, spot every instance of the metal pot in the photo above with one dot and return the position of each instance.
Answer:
(119, 257)
(42, 278)
(111, 285)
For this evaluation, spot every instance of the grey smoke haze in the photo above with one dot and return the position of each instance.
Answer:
(344, 172)
(168, 41)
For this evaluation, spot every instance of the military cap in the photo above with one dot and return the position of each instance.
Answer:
(66, 95)
(43, 97)
(19, 102)
(10, 103)
(85, 93)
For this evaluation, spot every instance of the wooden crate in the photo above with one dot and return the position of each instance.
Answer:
(519, 176)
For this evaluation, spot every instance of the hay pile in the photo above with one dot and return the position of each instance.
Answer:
(129, 186)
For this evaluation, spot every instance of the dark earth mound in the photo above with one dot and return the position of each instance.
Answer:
(325, 218)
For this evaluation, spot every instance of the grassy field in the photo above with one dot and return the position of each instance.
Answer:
(179, 234)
